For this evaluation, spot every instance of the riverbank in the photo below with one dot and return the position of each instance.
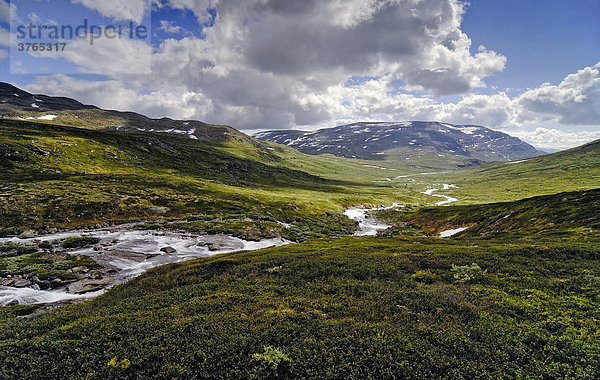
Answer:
(117, 255)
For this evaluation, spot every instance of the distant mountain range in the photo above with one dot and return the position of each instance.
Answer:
(376, 140)
(415, 140)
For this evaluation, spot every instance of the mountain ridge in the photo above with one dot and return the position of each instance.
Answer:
(16, 103)
(375, 140)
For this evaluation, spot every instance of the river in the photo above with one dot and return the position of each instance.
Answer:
(125, 253)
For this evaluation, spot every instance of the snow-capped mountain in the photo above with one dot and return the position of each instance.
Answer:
(376, 140)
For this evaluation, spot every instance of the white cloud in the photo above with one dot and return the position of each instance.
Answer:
(575, 101)
(170, 27)
(119, 10)
(544, 138)
(269, 64)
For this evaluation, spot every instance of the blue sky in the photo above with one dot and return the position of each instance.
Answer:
(527, 67)
(557, 37)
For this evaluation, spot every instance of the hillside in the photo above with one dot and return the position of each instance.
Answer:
(347, 308)
(573, 215)
(67, 177)
(397, 141)
(511, 297)
(571, 170)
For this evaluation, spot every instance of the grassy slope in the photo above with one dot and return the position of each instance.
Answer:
(66, 177)
(347, 308)
(571, 170)
(573, 215)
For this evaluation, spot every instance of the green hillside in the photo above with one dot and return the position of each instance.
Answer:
(572, 170)
(344, 308)
(572, 215)
(60, 176)
(517, 295)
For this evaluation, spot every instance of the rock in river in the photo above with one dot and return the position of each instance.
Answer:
(86, 286)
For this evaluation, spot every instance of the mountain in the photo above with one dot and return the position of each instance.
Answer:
(10, 94)
(377, 140)
(18, 104)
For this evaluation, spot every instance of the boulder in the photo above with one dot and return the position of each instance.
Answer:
(44, 285)
(29, 234)
(168, 250)
(86, 286)
(94, 275)
(56, 283)
(158, 210)
(80, 269)
(22, 283)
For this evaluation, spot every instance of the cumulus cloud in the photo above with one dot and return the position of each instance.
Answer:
(274, 64)
(556, 139)
(119, 10)
(575, 101)
(106, 56)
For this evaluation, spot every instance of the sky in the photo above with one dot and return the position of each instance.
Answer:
(526, 67)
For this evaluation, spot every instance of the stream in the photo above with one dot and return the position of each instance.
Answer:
(447, 198)
(125, 253)
(367, 225)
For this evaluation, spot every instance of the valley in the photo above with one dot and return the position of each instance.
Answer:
(155, 248)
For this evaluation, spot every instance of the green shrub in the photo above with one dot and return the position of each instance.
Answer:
(425, 276)
(15, 249)
(45, 245)
(79, 242)
(467, 273)
(271, 364)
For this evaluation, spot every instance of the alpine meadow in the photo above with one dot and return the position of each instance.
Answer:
(280, 189)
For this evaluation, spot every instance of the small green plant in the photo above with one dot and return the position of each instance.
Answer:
(14, 249)
(271, 364)
(79, 242)
(115, 363)
(425, 276)
(275, 269)
(467, 273)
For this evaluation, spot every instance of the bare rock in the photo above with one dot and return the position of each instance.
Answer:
(94, 275)
(86, 286)
(29, 234)
(168, 250)
(158, 210)
(22, 283)
(44, 285)
(80, 269)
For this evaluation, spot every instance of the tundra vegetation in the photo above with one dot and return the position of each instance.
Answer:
(516, 295)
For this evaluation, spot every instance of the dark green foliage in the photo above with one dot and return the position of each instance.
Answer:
(15, 249)
(343, 308)
(46, 266)
(80, 241)
(17, 311)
